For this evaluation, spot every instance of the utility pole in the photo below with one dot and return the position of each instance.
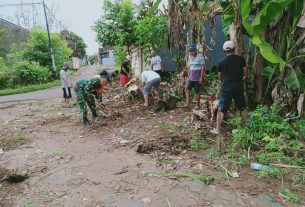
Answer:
(50, 42)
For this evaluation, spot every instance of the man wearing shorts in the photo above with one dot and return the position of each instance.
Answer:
(231, 71)
(150, 79)
(65, 84)
(196, 75)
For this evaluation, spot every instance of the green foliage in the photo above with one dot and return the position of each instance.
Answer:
(176, 126)
(268, 52)
(197, 146)
(5, 74)
(270, 135)
(272, 172)
(37, 49)
(60, 152)
(151, 32)
(203, 179)
(213, 153)
(293, 197)
(116, 26)
(26, 73)
(75, 42)
(18, 138)
(296, 80)
(120, 55)
(22, 73)
(28, 202)
(272, 11)
(25, 89)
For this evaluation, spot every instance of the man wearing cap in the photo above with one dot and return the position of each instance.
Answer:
(232, 71)
(196, 75)
(150, 79)
(125, 69)
(86, 91)
(156, 63)
(66, 84)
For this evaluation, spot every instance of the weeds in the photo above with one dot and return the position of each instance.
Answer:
(270, 136)
(293, 197)
(18, 138)
(59, 152)
(197, 146)
(176, 126)
(196, 134)
(203, 179)
(56, 107)
(272, 172)
(213, 153)
(43, 192)
(28, 202)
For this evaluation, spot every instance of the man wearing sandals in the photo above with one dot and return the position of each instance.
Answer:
(196, 75)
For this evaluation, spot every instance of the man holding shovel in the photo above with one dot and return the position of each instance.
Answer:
(231, 71)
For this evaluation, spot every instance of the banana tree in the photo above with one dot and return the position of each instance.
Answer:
(274, 32)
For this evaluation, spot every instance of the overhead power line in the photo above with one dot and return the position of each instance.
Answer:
(13, 5)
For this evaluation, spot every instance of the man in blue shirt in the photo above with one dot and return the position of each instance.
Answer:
(196, 75)
(231, 71)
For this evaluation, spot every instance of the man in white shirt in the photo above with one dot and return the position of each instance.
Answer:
(150, 79)
(156, 63)
(65, 84)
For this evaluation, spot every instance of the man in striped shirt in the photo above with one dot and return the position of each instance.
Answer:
(196, 75)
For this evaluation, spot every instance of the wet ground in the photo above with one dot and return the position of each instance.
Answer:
(132, 158)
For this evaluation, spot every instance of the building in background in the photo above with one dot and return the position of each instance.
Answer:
(106, 56)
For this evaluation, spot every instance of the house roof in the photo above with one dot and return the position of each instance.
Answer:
(105, 49)
(11, 25)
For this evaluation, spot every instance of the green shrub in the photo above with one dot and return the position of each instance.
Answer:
(26, 73)
(120, 55)
(5, 75)
(271, 136)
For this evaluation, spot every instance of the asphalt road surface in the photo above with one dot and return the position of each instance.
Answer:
(54, 92)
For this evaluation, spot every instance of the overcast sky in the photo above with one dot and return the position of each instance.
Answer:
(79, 16)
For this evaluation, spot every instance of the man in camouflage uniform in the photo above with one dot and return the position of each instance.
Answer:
(86, 91)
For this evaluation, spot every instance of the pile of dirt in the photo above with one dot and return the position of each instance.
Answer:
(172, 145)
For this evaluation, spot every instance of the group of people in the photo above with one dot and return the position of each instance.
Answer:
(232, 71)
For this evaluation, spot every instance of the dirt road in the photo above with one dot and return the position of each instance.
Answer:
(54, 92)
(132, 158)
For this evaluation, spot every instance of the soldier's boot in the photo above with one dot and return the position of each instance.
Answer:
(86, 122)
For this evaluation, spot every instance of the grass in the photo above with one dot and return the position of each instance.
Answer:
(18, 138)
(28, 202)
(292, 197)
(29, 88)
(197, 146)
(176, 126)
(203, 179)
(59, 152)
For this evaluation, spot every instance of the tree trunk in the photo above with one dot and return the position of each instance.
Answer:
(236, 30)
(259, 81)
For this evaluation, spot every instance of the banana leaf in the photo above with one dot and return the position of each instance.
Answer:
(295, 80)
(227, 20)
(245, 9)
(268, 72)
(271, 12)
(154, 7)
(268, 52)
